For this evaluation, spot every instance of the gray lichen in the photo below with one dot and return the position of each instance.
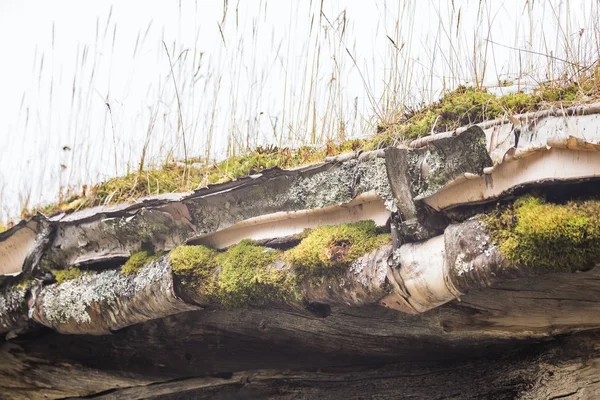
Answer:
(71, 300)
(342, 184)
(427, 172)
(362, 269)
(433, 167)
(12, 303)
(373, 176)
(324, 189)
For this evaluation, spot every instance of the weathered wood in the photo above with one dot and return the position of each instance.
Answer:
(567, 368)
(235, 344)
(164, 224)
(442, 161)
(472, 326)
(15, 245)
(421, 276)
(200, 343)
(14, 310)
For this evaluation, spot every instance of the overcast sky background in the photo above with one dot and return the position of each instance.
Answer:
(244, 72)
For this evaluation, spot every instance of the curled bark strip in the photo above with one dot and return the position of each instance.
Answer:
(15, 245)
(525, 118)
(441, 269)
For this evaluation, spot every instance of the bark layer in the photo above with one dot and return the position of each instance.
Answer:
(279, 354)
(472, 325)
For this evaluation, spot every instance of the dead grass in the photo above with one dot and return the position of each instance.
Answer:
(179, 177)
(463, 106)
(469, 105)
(316, 117)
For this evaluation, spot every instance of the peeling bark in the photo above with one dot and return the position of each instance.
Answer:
(419, 277)
(440, 313)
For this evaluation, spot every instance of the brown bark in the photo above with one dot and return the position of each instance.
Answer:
(290, 356)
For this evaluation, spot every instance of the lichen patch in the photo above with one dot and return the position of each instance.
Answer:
(325, 188)
(70, 300)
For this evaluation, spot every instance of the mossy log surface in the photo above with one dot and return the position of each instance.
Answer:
(504, 337)
(447, 270)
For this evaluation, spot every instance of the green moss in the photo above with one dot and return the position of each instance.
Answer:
(331, 249)
(25, 283)
(467, 105)
(64, 275)
(242, 275)
(556, 93)
(516, 103)
(136, 261)
(195, 266)
(173, 177)
(535, 234)
(246, 274)
(249, 277)
(462, 106)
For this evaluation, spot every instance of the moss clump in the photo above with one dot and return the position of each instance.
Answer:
(174, 177)
(64, 275)
(467, 105)
(534, 233)
(195, 266)
(248, 276)
(328, 249)
(25, 283)
(136, 261)
(242, 275)
(462, 106)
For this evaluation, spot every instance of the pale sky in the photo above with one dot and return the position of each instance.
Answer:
(250, 72)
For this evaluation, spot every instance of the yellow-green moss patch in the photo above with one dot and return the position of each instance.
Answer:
(63, 275)
(175, 177)
(244, 274)
(136, 261)
(468, 105)
(538, 234)
(195, 266)
(459, 107)
(25, 283)
(192, 259)
(335, 246)
(249, 276)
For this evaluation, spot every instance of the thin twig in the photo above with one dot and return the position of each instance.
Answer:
(434, 124)
(222, 36)
(185, 154)
(532, 52)
(369, 95)
(112, 124)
